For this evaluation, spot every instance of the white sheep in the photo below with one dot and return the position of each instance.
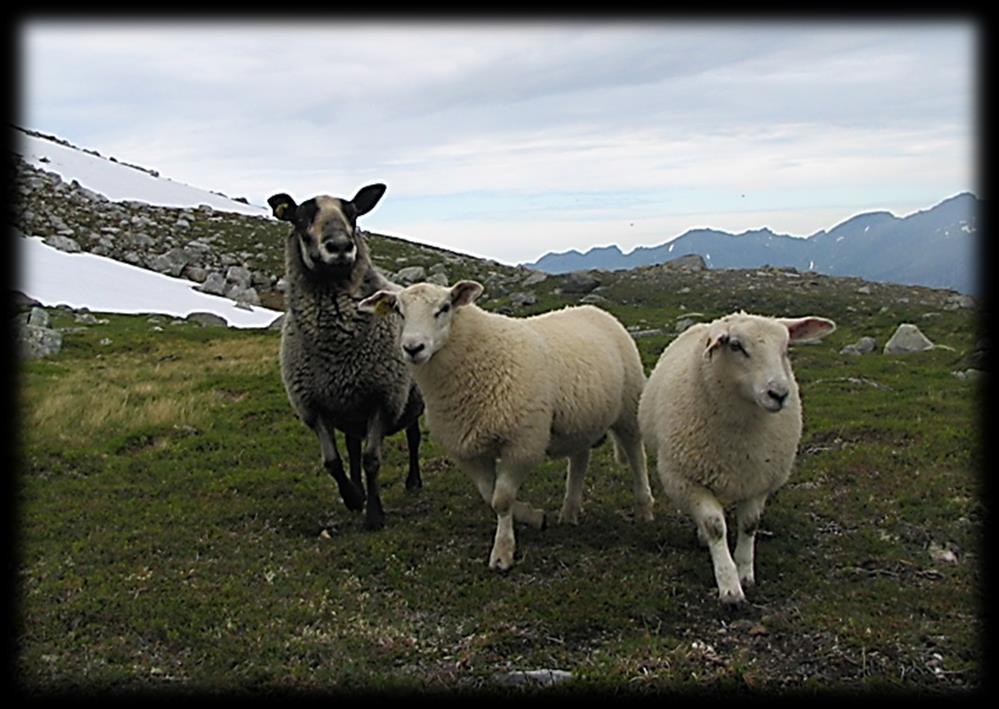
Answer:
(722, 412)
(518, 389)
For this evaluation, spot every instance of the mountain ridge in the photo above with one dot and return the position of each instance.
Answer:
(934, 247)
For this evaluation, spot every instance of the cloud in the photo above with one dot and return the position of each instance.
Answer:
(562, 123)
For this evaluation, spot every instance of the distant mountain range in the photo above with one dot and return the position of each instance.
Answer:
(938, 247)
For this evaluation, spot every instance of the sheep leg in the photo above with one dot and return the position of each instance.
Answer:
(709, 515)
(748, 513)
(483, 474)
(413, 435)
(354, 456)
(352, 498)
(371, 459)
(572, 505)
(629, 443)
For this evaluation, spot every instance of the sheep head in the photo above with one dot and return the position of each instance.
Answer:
(750, 353)
(325, 228)
(427, 311)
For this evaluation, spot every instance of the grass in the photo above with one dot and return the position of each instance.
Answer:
(175, 533)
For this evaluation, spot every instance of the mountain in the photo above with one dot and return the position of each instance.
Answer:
(937, 247)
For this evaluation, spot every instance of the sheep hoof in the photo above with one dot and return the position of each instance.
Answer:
(374, 521)
(413, 483)
(544, 521)
(732, 598)
(352, 497)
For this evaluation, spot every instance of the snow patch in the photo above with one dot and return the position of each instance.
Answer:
(120, 182)
(101, 284)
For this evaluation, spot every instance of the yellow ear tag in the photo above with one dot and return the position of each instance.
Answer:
(279, 210)
(383, 308)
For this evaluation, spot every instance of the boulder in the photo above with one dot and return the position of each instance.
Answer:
(63, 243)
(907, 339)
(581, 282)
(410, 274)
(865, 345)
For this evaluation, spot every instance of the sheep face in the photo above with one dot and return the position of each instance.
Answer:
(427, 311)
(751, 354)
(325, 228)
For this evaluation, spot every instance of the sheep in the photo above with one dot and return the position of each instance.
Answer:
(518, 389)
(340, 366)
(721, 410)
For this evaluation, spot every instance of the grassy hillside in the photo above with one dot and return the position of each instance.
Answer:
(176, 532)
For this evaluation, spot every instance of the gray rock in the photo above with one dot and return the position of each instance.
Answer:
(243, 296)
(534, 278)
(533, 678)
(580, 282)
(213, 285)
(194, 273)
(63, 243)
(907, 339)
(439, 279)
(959, 300)
(690, 262)
(522, 298)
(36, 342)
(593, 299)
(172, 262)
(39, 317)
(410, 274)
(239, 276)
(207, 319)
(865, 345)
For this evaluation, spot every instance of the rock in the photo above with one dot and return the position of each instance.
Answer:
(244, 296)
(39, 317)
(580, 282)
(438, 268)
(194, 273)
(22, 302)
(970, 375)
(534, 278)
(522, 298)
(36, 342)
(239, 276)
(637, 334)
(63, 243)
(533, 678)
(959, 300)
(439, 279)
(207, 319)
(865, 345)
(864, 290)
(172, 262)
(410, 274)
(690, 262)
(942, 554)
(593, 299)
(213, 285)
(907, 339)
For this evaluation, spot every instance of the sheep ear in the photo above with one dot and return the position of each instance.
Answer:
(465, 292)
(367, 197)
(807, 328)
(717, 337)
(283, 206)
(381, 303)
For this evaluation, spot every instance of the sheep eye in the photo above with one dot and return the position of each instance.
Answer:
(736, 346)
(444, 308)
(398, 310)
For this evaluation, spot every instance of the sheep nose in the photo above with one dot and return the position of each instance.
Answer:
(778, 394)
(337, 246)
(413, 350)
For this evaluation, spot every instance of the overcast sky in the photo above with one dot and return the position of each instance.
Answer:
(512, 139)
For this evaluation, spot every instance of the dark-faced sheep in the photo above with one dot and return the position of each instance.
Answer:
(342, 368)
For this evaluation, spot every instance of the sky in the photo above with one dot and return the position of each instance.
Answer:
(507, 140)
